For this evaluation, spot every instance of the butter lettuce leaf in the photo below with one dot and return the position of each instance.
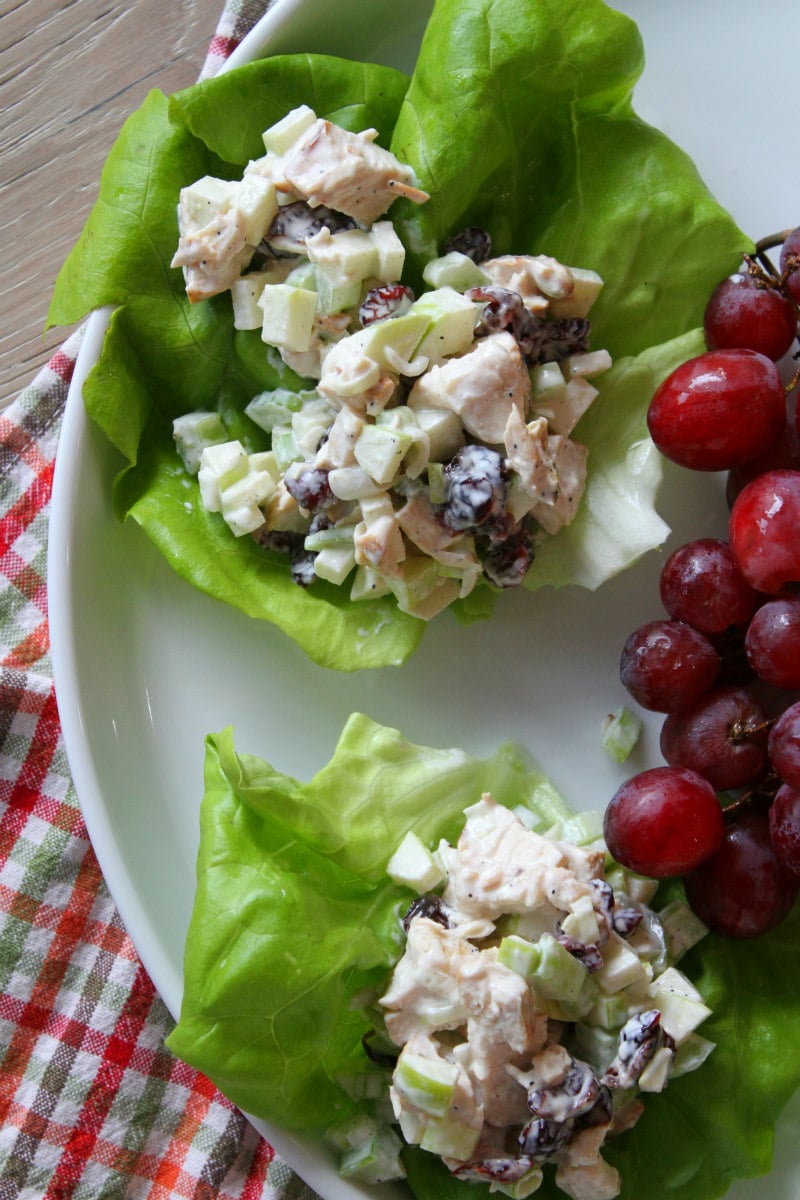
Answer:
(295, 917)
(518, 117)
(294, 929)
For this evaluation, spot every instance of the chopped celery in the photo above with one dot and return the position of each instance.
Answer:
(621, 731)
(428, 1083)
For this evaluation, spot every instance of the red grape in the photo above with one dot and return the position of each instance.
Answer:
(723, 738)
(790, 263)
(748, 313)
(718, 410)
(784, 827)
(701, 585)
(667, 665)
(783, 746)
(743, 889)
(785, 452)
(663, 822)
(763, 531)
(772, 642)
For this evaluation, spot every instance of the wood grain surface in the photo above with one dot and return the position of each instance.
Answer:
(70, 73)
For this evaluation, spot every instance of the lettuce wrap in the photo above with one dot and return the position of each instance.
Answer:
(295, 923)
(518, 118)
(295, 926)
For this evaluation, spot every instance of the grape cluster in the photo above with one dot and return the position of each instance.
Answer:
(723, 665)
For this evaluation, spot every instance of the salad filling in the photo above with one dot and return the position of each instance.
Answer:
(434, 450)
(535, 1005)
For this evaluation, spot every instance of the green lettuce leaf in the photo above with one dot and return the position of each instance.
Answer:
(294, 928)
(518, 117)
(295, 916)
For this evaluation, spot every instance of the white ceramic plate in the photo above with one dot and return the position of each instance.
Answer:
(145, 666)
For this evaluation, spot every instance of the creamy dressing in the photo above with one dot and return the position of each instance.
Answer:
(520, 1044)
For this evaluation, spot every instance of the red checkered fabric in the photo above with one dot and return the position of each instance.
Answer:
(92, 1105)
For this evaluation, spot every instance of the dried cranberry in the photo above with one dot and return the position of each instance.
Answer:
(310, 488)
(295, 222)
(507, 562)
(501, 308)
(475, 489)
(575, 1095)
(303, 572)
(541, 1139)
(550, 340)
(430, 906)
(472, 241)
(388, 300)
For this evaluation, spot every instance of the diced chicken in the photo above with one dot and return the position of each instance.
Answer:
(337, 449)
(528, 453)
(213, 256)
(482, 386)
(348, 172)
(425, 992)
(421, 526)
(582, 1173)
(378, 541)
(283, 512)
(570, 462)
(502, 1017)
(536, 278)
(499, 866)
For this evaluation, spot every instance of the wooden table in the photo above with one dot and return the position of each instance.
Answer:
(71, 74)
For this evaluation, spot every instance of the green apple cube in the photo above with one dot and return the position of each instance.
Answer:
(336, 298)
(621, 968)
(353, 483)
(334, 563)
(427, 1083)
(276, 407)
(620, 733)
(655, 1076)
(455, 270)
(587, 286)
(281, 136)
(380, 452)
(311, 423)
(220, 467)
(581, 922)
(413, 865)
(257, 201)
(555, 973)
(398, 335)
(610, 1012)
(206, 198)
(241, 501)
(680, 1015)
(245, 295)
(344, 258)
(368, 584)
(682, 928)
(288, 316)
(390, 252)
(304, 275)
(451, 323)
(449, 1139)
(193, 432)
(444, 429)
(691, 1054)
(418, 579)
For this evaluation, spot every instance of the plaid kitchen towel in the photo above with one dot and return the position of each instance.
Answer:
(92, 1106)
